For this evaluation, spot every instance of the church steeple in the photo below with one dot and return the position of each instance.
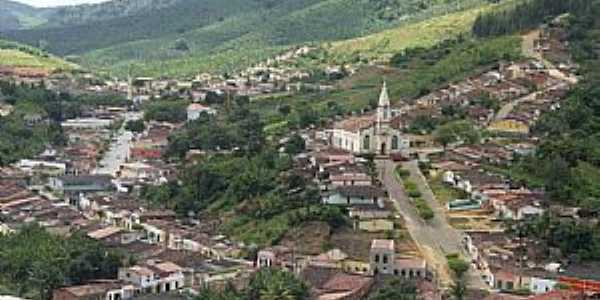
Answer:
(384, 98)
(383, 108)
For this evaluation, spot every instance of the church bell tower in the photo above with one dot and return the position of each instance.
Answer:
(383, 108)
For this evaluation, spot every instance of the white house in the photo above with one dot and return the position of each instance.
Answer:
(195, 109)
(355, 195)
(541, 285)
(154, 277)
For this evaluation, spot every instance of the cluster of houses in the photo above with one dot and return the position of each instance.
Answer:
(507, 99)
(507, 264)
(336, 275)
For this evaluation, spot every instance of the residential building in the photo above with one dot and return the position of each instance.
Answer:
(355, 195)
(195, 109)
(103, 290)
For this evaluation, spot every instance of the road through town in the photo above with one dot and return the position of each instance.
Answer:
(435, 238)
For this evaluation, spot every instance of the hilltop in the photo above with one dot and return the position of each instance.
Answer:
(184, 38)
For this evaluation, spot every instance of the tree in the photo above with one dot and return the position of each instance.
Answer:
(181, 45)
(457, 131)
(272, 284)
(295, 144)
(33, 260)
(459, 267)
(135, 126)
(285, 109)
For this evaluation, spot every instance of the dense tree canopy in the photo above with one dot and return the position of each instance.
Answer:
(524, 16)
(34, 262)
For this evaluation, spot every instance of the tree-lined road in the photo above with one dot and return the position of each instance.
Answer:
(435, 238)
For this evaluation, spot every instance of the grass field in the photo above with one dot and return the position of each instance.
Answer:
(421, 34)
(21, 56)
(16, 58)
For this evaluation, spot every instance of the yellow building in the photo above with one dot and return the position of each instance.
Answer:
(510, 126)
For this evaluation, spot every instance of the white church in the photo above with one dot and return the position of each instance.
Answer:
(379, 133)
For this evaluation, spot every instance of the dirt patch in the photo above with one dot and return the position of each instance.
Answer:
(311, 238)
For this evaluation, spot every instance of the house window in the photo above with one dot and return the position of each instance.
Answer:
(510, 285)
(385, 259)
(396, 272)
(395, 142)
(376, 258)
(367, 142)
(499, 284)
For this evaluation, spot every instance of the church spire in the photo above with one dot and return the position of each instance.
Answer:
(384, 98)
(383, 109)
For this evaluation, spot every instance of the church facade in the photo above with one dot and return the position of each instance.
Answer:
(379, 133)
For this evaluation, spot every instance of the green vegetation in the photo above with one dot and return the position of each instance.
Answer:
(267, 284)
(421, 71)
(236, 128)
(396, 289)
(402, 173)
(295, 145)
(526, 15)
(423, 209)
(14, 15)
(579, 240)
(457, 131)
(135, 126)
(243, 179)
(444, 193)
(459, 268)
(166, 110)
(17, 55)
(35, 122)
(34, 262)
(567, 163)
(426, 33)
(223, 36)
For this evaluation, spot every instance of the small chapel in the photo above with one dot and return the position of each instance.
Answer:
(379, 133)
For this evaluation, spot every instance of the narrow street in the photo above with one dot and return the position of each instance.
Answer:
(118, 151)
(435, 238)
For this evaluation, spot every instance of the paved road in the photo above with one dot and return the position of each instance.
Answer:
(119, 149)
(435, 238)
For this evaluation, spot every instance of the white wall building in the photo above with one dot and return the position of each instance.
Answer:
(195, 109)
(371, 133)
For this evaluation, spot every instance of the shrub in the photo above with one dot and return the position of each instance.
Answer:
(402, 173)
(410, 185)
(414, 194)
(423, 209)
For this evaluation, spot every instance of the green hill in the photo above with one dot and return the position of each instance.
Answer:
(14, 15)
(187, 37)
(21, 56)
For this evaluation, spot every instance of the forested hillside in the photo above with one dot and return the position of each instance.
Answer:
(15, 15)
(525, 15)
(190, 36)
